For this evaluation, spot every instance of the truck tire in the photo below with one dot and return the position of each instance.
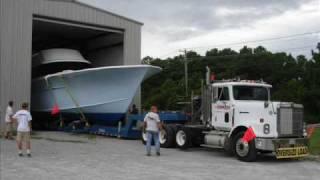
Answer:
(184, 138)
(174, 128)
(197, 137)
(167, 136)
(244, 151)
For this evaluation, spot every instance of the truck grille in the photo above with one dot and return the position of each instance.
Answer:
(290, 120)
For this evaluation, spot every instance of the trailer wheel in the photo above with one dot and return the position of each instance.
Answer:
(184, 138)
(167, 136)
(174, 128)
(197, 138)
(244, 151)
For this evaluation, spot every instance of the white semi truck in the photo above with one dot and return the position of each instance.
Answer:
(229, 108)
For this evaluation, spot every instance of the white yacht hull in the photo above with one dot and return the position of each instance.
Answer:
(100, 93)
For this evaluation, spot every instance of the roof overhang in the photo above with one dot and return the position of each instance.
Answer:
(99, 9)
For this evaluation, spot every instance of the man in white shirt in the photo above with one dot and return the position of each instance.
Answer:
(23, 118)
(152, 126)
(8, 121)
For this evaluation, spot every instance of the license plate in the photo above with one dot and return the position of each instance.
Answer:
(292, 152)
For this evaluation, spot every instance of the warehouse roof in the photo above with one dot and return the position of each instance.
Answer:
(99, 9)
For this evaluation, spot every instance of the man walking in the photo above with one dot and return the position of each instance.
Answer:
(152, 126)
(23, 118)
(8, 121)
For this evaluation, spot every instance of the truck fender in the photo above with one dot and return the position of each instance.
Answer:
(236, 130)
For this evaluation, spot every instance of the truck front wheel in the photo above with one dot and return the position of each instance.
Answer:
(243, 150)
(184, 138)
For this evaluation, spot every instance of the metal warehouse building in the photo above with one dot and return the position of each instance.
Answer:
(28, 26)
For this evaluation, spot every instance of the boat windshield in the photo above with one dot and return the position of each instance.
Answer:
(51, 68)
(255, 93)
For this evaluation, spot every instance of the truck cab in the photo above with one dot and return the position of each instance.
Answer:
(231, 107)
(244, 103)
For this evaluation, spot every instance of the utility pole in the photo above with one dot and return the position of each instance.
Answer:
(185, 71)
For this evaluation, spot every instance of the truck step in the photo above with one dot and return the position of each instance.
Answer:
(211, 146)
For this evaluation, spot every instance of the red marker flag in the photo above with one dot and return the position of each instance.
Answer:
(248, 135)
(55, 110)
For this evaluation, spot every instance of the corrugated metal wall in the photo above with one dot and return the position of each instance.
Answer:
(16, 40)
(15, 52)
(1, 113)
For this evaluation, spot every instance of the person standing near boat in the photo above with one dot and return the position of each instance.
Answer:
(134, 109)
(152, 126)
(23, 118)
(8, 121)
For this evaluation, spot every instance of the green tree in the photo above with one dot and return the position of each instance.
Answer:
(147, 60)
(295, 79)
(246, 50)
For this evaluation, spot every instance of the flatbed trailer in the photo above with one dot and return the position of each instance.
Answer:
(130, 128)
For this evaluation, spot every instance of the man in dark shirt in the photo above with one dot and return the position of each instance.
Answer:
(134, 109)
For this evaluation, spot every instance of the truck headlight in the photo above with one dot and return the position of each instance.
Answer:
(258, 142)
(305, 133)
(266, 128)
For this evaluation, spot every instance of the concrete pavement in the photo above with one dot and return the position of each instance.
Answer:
(65, 156)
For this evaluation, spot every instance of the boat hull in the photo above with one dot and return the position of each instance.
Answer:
(102, 94)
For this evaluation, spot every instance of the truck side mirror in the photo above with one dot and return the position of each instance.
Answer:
(266, 104)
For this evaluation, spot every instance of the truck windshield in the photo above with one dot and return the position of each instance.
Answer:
(256, 93)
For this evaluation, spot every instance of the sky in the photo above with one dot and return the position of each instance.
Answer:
(200, 25)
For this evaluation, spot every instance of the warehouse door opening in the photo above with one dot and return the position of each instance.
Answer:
(101, 46)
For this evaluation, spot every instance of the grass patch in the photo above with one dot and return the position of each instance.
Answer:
(92, 137)
(314, 145)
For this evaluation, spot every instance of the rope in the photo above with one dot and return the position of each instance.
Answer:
(54, 99)
(83, 118)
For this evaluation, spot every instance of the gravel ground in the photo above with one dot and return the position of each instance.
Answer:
(65, 156)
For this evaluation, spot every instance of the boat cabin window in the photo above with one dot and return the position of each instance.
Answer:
(51, 68)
